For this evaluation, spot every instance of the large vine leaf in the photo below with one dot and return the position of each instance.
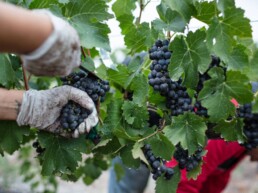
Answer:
(222, 30)
(252, 69)
(87, 17)
(140, 38)
(238, 59)
(231, 130)
(162, 147)
(190, 54)
(114, 118)
(184, 8)
(127, 157)
(206, 11)
(188, 130)
(169, 20)
(11, 136)
(218, 92)
(168, 186)
(123, 7)
(135, 115)
(123, 11)
(7, 74)
(61, 154)
(140, 89)
(119, 76)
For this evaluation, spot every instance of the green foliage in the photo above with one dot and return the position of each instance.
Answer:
(190, 55)
(189, 130)
(11, 136)
(61, 154)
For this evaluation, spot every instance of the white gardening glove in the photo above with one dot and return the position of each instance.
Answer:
(41, 109)
(60, 52)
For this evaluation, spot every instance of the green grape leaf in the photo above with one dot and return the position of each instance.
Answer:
(231, 130)
(114, 118)
(206, 11)
(87, 17)
(190, 54)
(123, 11)
(185, 8)
(91, 171)
(225, 4)
(7, 74)
(123, 7)
(126, 23)
(11, 136)
(252, 69)
(126, 155)
(120, 171)
(217, 93)
(137, 152)
(188, 129)
(61, 154)
(119, 76)
(221, 33)
(219, 107)
(140, 88)
(88, 63)
(162, 147)
(170, 20)
(140, 38)
(237, 59)
(168, 186)
(112, 146)
(135, 115)
(38, 4)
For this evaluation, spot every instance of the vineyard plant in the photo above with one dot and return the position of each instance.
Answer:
(162, 105)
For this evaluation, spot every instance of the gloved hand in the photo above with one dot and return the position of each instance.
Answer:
(58, 54)
(41, 109)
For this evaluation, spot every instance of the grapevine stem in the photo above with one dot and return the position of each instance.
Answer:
(89, 54)
(24, 77)
(140, 14)
(83, 52)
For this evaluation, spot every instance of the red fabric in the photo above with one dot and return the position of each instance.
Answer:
(212, 179)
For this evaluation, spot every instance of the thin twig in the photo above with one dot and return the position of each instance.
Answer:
(140, 14)
(83, 52)
(26, 85)
(88, 51)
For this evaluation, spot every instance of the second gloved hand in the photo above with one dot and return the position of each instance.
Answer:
(41, 109)
(58, 54)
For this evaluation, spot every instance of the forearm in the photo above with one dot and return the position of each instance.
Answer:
(10, 102)
(22, 31)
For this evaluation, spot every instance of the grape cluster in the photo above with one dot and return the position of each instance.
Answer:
(245, 111)
(93, 86)
(38, 148)
(250, 125)
(251, 132)
(72, 114)
(187, 161)
(176, 95)
(157, 165)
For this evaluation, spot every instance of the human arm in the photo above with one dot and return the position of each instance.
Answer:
(49, 45)
(22, 30)
(41, 109)
(10, 102)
